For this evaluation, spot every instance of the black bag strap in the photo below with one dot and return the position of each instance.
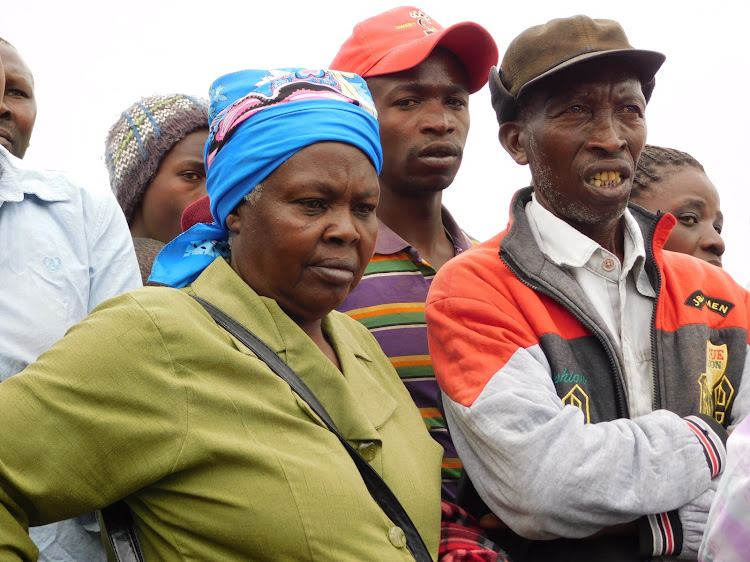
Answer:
(121, 542)
(377, 487)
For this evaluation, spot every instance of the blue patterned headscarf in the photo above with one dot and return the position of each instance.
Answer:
(259, 119)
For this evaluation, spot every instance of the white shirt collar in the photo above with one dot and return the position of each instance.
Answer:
(566, 246)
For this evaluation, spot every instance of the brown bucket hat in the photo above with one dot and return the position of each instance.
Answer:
(559, 44)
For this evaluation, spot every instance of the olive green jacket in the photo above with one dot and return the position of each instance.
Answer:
(149, 400)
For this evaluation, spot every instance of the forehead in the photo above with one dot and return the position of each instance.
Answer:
(325, 163)
(441, 69)
(190, 145)
(13, 64)
(585, 79)
(687, 182)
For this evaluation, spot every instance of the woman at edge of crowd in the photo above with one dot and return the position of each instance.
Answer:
(672, 181)
(154, 156)
(150, 401)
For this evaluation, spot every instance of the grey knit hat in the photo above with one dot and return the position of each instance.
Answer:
(140, 139)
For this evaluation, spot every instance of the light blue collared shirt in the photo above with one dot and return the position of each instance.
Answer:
(65, 250)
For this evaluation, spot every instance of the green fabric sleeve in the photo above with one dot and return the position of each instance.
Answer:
(74, 425)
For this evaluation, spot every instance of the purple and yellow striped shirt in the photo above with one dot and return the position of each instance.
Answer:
(390, 301)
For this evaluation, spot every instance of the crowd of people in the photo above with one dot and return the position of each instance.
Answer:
(325, 366)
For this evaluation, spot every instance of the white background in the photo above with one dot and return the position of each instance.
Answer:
(91, 60)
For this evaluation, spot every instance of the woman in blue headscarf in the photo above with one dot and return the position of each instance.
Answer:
(151, 401)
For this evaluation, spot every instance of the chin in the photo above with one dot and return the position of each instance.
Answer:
(434, 185)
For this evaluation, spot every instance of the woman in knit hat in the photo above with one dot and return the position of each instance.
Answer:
(154, 154)
(216, 457)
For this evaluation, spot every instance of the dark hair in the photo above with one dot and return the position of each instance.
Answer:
(655, 161)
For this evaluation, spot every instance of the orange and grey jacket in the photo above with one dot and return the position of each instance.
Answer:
(535, 393)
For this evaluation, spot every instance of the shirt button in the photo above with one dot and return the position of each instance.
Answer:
(367, 449)
(608, 264)
(397, 537)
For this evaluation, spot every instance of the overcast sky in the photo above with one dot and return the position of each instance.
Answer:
(91, 60)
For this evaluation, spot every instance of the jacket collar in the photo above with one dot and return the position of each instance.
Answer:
(358, 404)
(654, 227)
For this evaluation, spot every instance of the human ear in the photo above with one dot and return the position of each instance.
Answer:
(512, 136)
(234, 222)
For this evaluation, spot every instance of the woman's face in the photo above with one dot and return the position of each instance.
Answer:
(179, 181)
(307, 237)
(690, 196)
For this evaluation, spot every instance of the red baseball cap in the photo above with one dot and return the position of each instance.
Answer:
(403, 37)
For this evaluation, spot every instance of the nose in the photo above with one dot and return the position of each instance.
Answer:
(607, 134)
(712, 242)
(343, 228)
(437, 118)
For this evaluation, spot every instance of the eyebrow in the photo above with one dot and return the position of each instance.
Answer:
(191, 162)
(328, 189)
(691, 200)
(422, 87)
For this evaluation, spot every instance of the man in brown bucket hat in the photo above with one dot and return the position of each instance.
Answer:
(589, 376)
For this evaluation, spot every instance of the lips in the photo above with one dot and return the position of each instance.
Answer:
(606, 174)
(335, 270)
(439, 149)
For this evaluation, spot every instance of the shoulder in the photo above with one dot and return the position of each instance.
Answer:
(702, 292)
(690, 271)
(164, 307)
(475, 267)
(145, 300)
(160, 316)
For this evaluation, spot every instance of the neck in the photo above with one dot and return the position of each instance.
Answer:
(138, 227)
(419, 221)
(610, 236)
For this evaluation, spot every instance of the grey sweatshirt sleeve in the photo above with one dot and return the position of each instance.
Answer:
(547, 474)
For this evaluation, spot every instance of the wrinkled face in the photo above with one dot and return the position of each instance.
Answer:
(179, 181)
(582, 139)
(424, 120)
(689, 195)
(307, 237)
(18, 112)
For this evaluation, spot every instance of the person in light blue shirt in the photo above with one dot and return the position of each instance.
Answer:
(65, 250)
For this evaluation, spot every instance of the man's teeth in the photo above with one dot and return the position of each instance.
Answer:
(605, 179)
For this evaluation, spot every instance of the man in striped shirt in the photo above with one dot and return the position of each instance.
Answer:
(420, 75)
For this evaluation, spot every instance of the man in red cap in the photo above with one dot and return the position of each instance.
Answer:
(420, 75)
(589, 376)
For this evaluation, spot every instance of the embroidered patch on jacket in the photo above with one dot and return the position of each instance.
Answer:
(716, 389)
(578, 398)
(569, 377)
(698, 300)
